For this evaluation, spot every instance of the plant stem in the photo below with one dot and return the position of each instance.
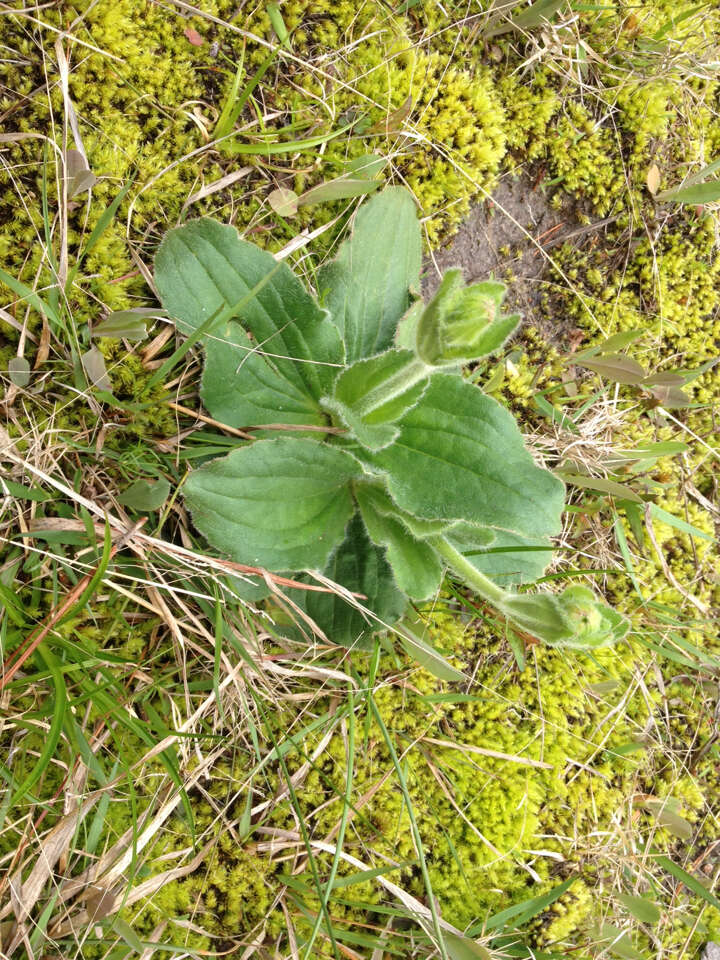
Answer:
(395, 386)
(470, 574)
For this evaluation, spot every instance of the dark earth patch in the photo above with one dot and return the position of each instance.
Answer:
(510, 237)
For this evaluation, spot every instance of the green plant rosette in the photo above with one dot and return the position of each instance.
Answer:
(389, 466)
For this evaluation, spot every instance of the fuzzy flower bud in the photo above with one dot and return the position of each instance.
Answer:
(462, 323)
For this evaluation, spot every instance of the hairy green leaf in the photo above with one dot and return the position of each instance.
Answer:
(360, 566)
(395, 374)
(573, 619)
(429, 471)
(241, 389)
(281, 504)
(419, 527)
(460, 456)
(204, 267)
(462, 323)
(371, 394)
(415, 564)
(540, 614)
(367, 288)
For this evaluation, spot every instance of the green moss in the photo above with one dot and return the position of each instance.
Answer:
(495, 831)
(583, 155)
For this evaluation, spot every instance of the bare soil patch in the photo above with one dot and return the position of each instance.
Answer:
(509, 237)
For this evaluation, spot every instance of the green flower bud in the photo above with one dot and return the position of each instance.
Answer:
(462, 323)
(573, 619)
(592, 624)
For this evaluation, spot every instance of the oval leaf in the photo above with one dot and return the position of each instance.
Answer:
(241, 389)
(99, 903)
(643, 910)
(145, 495)
(670, 397)
(79, 176)
(19, 371)
(203, 269)
(672, 821)
(653, 179)
(611, 345)
(460, 456)
(284, 202)
(616, 367)
(665, 379)
(126, 324)
(342, 188)
(369, 165)
(94, 366)
(281, 504)
(367, 288)
(611, 487)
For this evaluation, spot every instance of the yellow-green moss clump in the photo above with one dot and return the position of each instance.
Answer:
(536, 777)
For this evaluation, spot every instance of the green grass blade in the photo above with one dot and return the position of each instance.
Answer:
(56, 725)
(622, 543)
(303, 831)
(679, 524)
(520, 913)
(686, 878)
(413, 826)
(234, 104)
(343, 822)
(28, 295)
(291, 146)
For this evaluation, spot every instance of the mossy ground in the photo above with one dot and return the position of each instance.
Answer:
(576, 767)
